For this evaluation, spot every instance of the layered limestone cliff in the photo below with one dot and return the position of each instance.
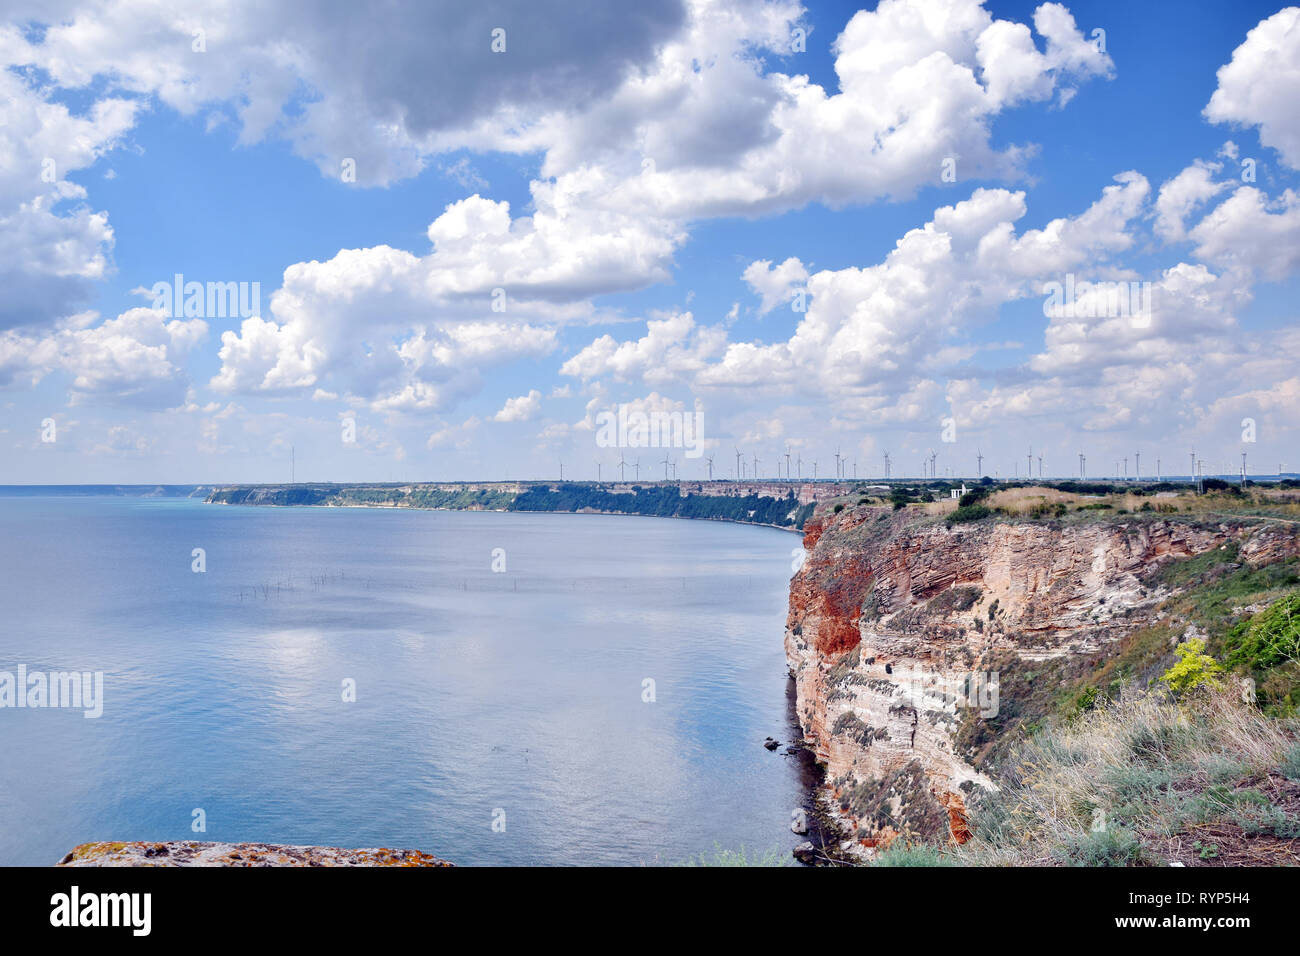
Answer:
(914, 644)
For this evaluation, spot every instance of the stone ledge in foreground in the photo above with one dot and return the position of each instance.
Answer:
(186, 853)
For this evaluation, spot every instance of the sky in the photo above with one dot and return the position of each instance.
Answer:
(464, 234)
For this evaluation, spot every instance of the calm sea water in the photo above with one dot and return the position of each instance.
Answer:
(477, 692)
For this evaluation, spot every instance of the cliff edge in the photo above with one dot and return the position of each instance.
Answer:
(922, 648)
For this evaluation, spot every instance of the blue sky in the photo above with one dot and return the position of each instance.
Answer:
(224, 164)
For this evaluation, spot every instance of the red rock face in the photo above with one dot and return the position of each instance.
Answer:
(895, 618)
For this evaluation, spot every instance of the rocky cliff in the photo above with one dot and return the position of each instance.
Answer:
(916, 646)
(188, 853)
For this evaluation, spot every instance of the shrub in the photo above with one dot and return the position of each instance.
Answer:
(1193, 669)
(968, 513)
(1114, 846)
(1291, 764)
(912, 855)
(1270, 638)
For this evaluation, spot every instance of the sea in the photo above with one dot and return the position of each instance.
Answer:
(492, 688)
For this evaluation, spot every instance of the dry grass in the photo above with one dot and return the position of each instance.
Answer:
(1021, 501)
(1131, 779)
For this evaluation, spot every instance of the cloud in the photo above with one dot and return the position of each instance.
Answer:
(53, 248)
(1260, 85)
(134, 359)
(673, 346)
(360, 324)
(377, 84)
(1249, 232)
(774, 284)
(1182, 195)
(873, 330)
(520, 409)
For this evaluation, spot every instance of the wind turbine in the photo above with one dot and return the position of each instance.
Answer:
(979, 462)
(837, 464)
(886, 466)
(622, 463)
(756, 468)
(814, 469)
(710, 461)
(738, 464)
(665, 464)
(1137, 466)
(637, 466)
(799, 463)
(597, 471)
(673, 463)
(787, 463)
(1040, 466)
(561, 471)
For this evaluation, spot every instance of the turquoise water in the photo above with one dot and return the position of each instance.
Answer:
(480, 696)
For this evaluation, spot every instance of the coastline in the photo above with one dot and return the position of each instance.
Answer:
(783, 505)
(591, 512)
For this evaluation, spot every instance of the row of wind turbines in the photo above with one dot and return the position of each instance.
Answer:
(846, 469)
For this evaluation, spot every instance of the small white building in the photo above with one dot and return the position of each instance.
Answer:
(957, 494)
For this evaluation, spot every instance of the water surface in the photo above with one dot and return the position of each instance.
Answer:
(478, 693)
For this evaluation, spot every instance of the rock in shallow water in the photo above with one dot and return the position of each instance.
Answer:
(187, 853)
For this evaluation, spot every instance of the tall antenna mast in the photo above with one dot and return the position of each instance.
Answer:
(979, 462)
